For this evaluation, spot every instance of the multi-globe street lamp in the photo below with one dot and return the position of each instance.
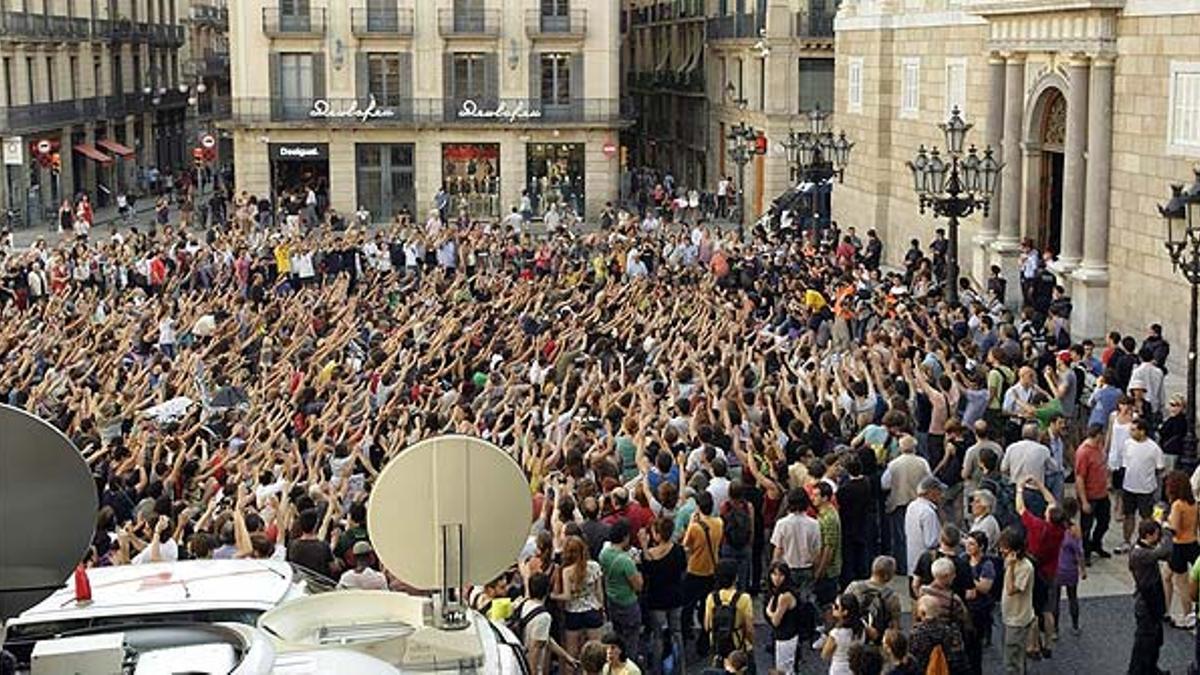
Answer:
(954, 187)
(816, 156)
(1182, 214)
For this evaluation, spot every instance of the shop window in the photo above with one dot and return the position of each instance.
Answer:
(555, 173)
(471, 174)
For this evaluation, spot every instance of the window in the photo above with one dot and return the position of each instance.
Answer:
(8, 86)
(740, 79)
(469, 76)
(74, 75)
(1184, 124)
(118, 77)
(910, 87)
(50, 77)
(296, 78)
(173, 71)
(555, 7)
(556, 79)
(97, 76)
(383, 78)
(816, 84)
(137, 73)
(29, 77)
(854, 84)
(956, 86)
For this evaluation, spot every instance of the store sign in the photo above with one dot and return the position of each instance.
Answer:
(13, 150)
(323, 109)
(471, 110)
(299, 152)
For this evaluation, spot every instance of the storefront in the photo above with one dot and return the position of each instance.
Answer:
(555, 174)
(299, 165)
(386, 179)
(471, 174)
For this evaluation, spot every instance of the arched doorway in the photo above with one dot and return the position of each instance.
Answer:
(1050, 132)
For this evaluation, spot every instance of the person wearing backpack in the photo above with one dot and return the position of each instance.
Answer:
(728, 615)
(531, 621)
(737, 515)
(880, 604)
(1005, 491)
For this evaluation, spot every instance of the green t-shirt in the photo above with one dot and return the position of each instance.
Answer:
(1047, 410)
(618, 567)
(831, 538)
(628, 452)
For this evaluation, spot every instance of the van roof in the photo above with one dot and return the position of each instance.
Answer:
(157, 588)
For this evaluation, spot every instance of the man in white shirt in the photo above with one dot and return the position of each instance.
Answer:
(922, 527)
(902, 479)
(1027, 458)
(1143, 464)
(162, 548)
(1148, 377)
(797, 536)
(362, 577)
(718, 487)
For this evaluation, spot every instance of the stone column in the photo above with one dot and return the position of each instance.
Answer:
(990, 229)
(66, 171)
(1007, 244)
(1074, 166)
(1090, 290)
(89, 166)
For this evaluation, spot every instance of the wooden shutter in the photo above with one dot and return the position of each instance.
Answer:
(406, 85)
(318, 66)
(576, 84)
(535, 79)
(276, 75)
(491, 79)
(362, 77)
(449, 103)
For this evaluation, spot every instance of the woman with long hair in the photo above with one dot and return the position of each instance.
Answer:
(582, 596)
(848, 631)
(1182, 521)
(663, 565)
(783, 615)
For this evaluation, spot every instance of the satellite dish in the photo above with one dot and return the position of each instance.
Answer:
(447, 512)
(47, 510)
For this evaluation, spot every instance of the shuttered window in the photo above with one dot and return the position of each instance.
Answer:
(854, 85)
(1184, 127)
(910, 87)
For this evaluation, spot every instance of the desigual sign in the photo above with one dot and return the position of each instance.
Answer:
(323, 109)
(471, 110)
(299, 151)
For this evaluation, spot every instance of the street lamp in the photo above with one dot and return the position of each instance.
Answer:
(955, 186)
(1182, 214)
(816, 156)
(744, 143)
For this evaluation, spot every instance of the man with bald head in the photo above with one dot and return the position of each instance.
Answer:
(1019, 406)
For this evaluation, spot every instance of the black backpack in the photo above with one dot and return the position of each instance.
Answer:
(1005, 492)
(517, 623)
(724, 625)
(737, 526)
(874, 609)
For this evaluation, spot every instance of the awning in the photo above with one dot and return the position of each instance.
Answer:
(115, 147)
(92, 153)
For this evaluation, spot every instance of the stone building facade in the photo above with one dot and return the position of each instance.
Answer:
(89, 92)
(379, 103)
(1092, 105)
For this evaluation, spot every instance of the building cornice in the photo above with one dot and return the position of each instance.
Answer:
(906, 20)
(1000, 7)
(1134, 8)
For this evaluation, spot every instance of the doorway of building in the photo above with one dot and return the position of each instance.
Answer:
(295, 167)
(1047, 235)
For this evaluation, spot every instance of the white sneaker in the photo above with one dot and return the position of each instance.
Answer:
(819, 643)
(1187, 623)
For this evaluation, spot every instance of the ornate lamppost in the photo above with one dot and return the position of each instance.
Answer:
(1182, 214)
(816, 156)
(954, 187)
(744, 144)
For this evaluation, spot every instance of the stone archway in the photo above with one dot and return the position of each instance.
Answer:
(1045, 162)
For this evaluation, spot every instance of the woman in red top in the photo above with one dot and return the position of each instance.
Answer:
(1044, 537)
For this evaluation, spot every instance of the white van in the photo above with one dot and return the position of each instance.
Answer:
(184, 592)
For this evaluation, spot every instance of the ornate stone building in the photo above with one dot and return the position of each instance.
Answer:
(1092, 105)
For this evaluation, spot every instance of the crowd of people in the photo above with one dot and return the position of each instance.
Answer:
(719, 434)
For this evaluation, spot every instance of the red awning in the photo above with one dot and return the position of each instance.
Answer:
(115, 147)
(93, 154)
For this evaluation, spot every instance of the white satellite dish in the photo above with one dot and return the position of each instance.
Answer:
(47, 510)
(447, 512)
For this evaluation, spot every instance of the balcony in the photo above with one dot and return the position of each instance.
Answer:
(733, 26)
(210, 15)
(278, 24)
(683, 82)
(381, 23)
(120, 29)
(469, 23)
(813, 25)
(214, 64)
(167, 35)
(438, 111)
(142, 31)
(570, 25)
(16, 119)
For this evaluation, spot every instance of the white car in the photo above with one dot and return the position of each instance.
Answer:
(185, 592)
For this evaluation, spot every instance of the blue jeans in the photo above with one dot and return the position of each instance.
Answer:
(662, 623)
(899, 540)
(627, 622)
(1054, 483)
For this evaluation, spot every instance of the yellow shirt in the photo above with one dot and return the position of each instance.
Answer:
(745, 615)
(283, 259)
(814, 300)
(701, 554)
